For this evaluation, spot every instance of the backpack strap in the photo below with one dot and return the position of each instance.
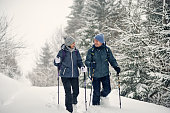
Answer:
(107, 51)
(91, 70)
(76, 52)
(63, 54)
(93, 52)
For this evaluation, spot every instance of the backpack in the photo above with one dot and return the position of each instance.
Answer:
(93, 49)
(92, 54)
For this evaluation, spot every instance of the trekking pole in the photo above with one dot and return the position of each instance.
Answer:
(58, 85)
(91, 87)
(85, 90)
(119, 89)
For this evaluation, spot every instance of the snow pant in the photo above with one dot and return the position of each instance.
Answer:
(106, 88)
(71, 87)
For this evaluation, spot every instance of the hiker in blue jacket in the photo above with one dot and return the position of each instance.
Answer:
(97, 60)
(68, 60)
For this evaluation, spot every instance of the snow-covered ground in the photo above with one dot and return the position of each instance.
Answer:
(15, 97)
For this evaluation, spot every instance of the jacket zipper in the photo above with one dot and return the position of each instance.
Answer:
(64, 71)
(72, 63)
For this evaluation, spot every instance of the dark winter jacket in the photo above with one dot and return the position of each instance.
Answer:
(102, 57)
(70, 61)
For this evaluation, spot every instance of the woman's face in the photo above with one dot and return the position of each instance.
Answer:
(72, 45)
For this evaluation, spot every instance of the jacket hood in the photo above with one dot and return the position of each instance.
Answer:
(64, 47)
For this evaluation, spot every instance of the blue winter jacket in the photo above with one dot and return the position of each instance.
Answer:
(70, 61)
(102, 58)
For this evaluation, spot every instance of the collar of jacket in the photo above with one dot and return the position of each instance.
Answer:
(102, 46)
(68, 48)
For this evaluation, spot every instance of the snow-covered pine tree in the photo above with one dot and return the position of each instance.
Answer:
(75, 21)
(159, 47)
(133, 62)
(115, 23)
(146, 55)
(56, 41)
(45, 73)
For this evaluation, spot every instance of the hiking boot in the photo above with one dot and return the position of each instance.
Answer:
(69, 108)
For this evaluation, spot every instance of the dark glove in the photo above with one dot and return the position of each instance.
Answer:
(117, 69)
(93, 65)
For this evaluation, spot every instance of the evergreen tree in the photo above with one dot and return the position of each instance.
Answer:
(159, 52)
(75, 21)
(45, 73)
(145, 53)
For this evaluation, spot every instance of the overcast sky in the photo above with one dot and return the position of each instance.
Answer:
(35, 21)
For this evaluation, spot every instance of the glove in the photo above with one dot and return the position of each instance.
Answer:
(83, 69)
(57, 60)
(117, 69)
(93, 65)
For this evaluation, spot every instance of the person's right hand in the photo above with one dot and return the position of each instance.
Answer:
(57, 60)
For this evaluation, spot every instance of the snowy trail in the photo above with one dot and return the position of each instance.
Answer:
(110, 104)
(35, 100)
(28, 99)
(44, 100)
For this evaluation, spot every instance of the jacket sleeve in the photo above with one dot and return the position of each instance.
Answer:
(112, 60)
(88, 59)
(58, 55)
(79, 60)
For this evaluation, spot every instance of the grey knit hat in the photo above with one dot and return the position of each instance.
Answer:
(69, 41)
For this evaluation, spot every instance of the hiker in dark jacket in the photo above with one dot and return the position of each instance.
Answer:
(68, 60)
(97, 60)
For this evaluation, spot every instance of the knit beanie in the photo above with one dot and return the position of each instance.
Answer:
(69, 41)
(99, 37)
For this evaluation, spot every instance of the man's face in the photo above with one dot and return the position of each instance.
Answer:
(97, 43)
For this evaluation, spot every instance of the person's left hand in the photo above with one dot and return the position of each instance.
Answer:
(83, 69)
(117, 69)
